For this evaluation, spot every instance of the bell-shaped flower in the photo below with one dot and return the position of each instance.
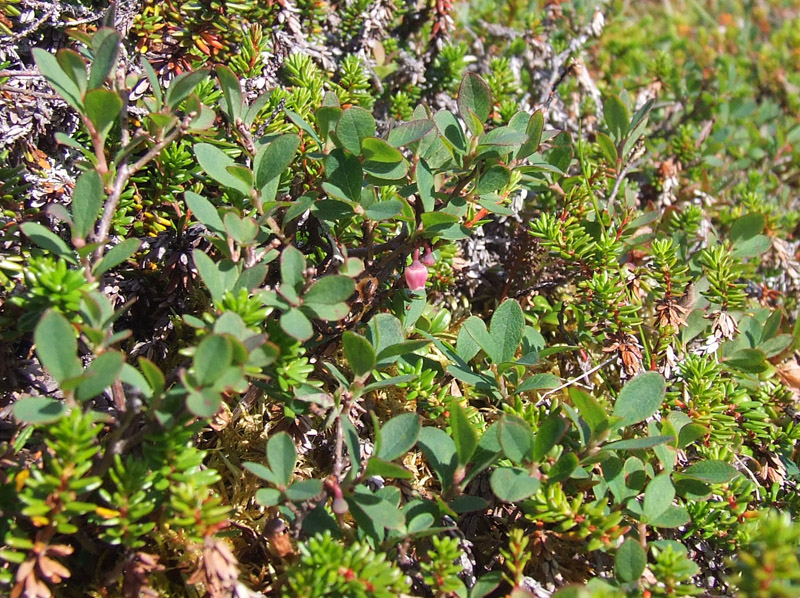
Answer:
(416, 274)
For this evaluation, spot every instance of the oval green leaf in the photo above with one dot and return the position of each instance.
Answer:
(640, 398)
(512, 484)
(38, 410)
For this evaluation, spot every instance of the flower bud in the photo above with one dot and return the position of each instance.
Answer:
(340, 506)
(416, 274)
(428, 258)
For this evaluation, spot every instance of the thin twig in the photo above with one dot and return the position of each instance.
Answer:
(380, 248)
(12, 39)
(124, 173)
(338, 460)
(24, 73)
(585, 374)
(26, 92)
(749, 473)
(618, 183)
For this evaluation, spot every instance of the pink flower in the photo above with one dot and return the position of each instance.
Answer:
(416, 274)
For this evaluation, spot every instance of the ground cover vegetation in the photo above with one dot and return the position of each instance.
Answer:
(378, 298)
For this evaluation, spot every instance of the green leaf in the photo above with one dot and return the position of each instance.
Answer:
(359, 353)
(38, 410)
(501, 141)
(464, 436)
(105, 58)
(232, 92)
(418, 520)
(468, 504)
(752, 361)
(296, 325)
(474, 96)
(377, 150)
(332, 211)
(751, 247)
(268, 497)
(516, 439)
(304, 490)
(203, 403)
(354, 125)
(534, 133)
(633, 444)
(747, 227)
(537, 382)
(402, 348)
(496, 177)
(100, 374)
(379, 511)
(153, 375)
(327, 117)
(407, 133)
(451, 131)
(425, 185)
(258, 104)
(343, 175)
(261, 471)
(293, 266)
(274, 158)
(690, 433)
(298, 208)
(591, 411)
(476, 330)
(87, 201)
(486, 584)
(512, 484)
(58, 79)
(117, 254)
(506, 329)
(384, 210)
(218, 277)
(382, 160)
(630, 561)
(322, 311)
(242, 173)
(130, 375)
(775, 345)
(330, 290)
(712, 472)
(608, 148)
(183, 85)
(658, 496)
(152, 77)
(392, 381)
(213, 356)
(204, 211)
(386, 469)
(440, 451)
(216, 162)
(73, 66)
(282, 457)
(563, 468)
(547, 436)
(640, 398)
(241, 230)
(48, 240)
(57, 347)
(398, 436)
(617, 117)
(303, 125)
(670, 518)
